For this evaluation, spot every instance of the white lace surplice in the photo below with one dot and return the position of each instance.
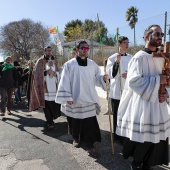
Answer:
(77, 84)
(140, 115)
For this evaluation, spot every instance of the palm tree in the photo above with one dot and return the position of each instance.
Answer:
(131, 16)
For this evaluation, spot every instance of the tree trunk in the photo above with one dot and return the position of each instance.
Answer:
(134, 36)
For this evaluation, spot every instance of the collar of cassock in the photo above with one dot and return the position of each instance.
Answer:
(48, 57)
(81, 62)
(123, 54)
(149, 51)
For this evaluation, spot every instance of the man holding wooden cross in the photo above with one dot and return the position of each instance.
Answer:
(143, 114)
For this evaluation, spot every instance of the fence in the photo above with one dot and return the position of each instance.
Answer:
(163, 20)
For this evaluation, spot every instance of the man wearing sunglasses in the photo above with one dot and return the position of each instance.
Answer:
(80, 101)
(143, 114)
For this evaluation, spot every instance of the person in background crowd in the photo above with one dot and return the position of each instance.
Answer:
(18, 93)
(74, 53)
(8, 82)
(26, 77)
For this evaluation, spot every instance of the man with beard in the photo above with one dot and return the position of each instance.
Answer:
(80, 101)
(143, 112)
(44, 85)
(8, 83)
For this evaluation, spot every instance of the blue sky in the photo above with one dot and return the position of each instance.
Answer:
(58, 13)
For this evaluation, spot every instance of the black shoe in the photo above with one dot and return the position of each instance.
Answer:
(50, 126)
(16, 102)
(76, 143)
(2, 114)
(9, 112)
(146, 167)
(136, 167)
(93, 153)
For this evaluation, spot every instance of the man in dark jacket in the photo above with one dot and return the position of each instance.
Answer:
(8, 83)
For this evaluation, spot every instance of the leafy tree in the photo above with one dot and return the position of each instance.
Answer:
(132, 17)
(88, 29)
(73, 30)
(109, 41)
(19, 38)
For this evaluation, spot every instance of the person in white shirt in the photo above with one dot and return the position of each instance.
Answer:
(79, 99)
(116, 68)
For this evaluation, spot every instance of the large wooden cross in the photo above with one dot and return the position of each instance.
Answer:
(166, 65)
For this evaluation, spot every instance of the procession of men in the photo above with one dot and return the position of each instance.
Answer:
(138, 92)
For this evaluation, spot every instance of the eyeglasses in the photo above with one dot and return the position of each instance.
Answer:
(85, 48)
(158, 34)
(125, 42)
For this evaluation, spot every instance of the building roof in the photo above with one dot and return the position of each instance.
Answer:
(74, 43)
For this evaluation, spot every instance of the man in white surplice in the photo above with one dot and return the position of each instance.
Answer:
(117, 66)
(79, 99)
(143, 114)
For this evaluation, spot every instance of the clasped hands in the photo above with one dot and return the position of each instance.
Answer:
(163, 96)
(51, 72)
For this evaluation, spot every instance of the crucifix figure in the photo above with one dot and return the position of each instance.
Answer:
(166, 65)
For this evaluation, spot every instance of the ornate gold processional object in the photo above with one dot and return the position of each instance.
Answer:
(166, 65)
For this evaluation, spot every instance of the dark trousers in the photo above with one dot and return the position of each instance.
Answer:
(87, 130)
(18, 94)
(6, 94)
(52, 111)
(115, 105)
(147, 153)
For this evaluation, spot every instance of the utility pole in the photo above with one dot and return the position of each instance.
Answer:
(168, 32)
(165, 24)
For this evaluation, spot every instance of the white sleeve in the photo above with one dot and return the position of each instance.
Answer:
(146, 86)
(64, 89)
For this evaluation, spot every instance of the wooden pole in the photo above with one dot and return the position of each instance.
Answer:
(107, 89)
(109, 113)
(120, 74)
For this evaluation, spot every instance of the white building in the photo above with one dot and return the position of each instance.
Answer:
(1, 58)
(95, 47)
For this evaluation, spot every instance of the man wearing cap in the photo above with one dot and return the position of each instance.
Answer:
(8, 82)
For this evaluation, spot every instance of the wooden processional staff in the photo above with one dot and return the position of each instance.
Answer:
(109, 110)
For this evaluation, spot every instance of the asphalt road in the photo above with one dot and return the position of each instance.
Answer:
(26, 145)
